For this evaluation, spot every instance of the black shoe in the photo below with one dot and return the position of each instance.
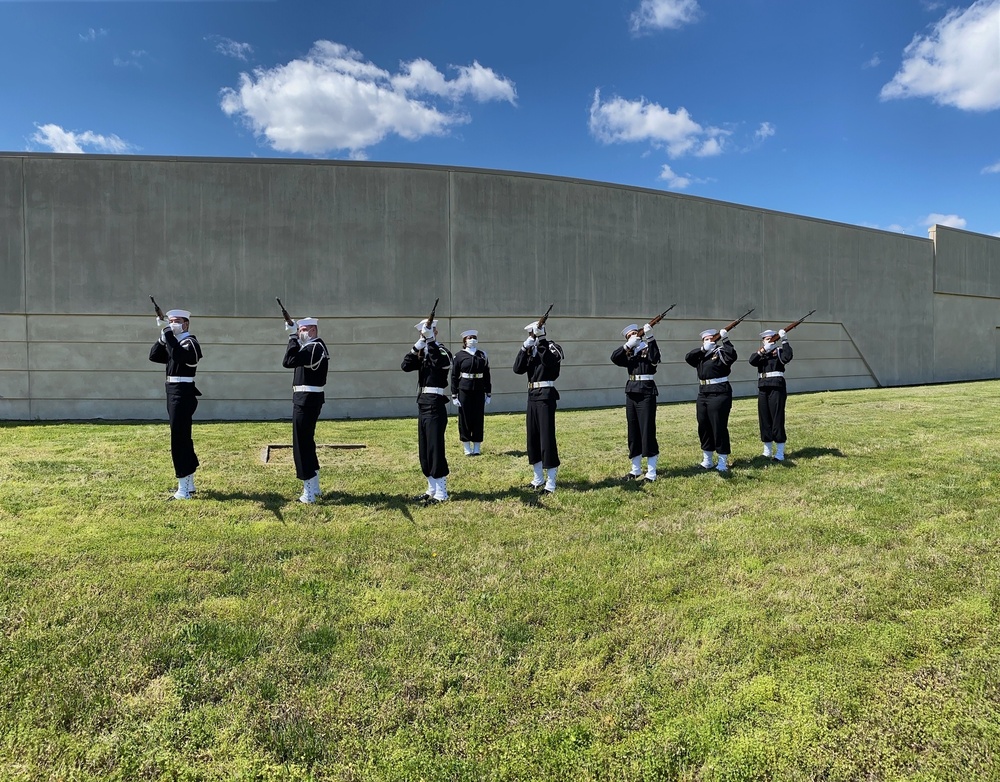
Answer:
(548, 491)
(535, 488)
(631, 477)
(422, 498)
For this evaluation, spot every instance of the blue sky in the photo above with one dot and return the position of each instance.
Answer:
(881, 113)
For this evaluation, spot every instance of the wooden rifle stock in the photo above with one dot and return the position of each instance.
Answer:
(284, 313)
(790, 326)
(733, 325)
(545, 317)
(159, 312)
(430, 318)
(657, 319)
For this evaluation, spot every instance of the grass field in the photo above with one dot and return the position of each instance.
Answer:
(831, 618)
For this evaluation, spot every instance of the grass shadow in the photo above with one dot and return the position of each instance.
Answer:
(270, 501)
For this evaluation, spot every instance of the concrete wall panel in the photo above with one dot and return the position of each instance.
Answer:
(966, 263)
(11, 235)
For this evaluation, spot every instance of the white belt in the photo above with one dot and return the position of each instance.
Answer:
(771, 374)
(178, 379)
(543, 384)
(714, 381)
(470, 376)
(314, 389)
(640, 377)
(432, 390)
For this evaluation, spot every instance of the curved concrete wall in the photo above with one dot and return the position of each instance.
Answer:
(84, 240)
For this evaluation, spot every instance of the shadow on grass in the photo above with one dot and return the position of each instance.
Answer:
(270, 501)
(526, 496)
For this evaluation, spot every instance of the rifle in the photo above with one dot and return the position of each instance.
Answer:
(733, 325)
(790, 326)
(545, 317)
(657, 319)
(430, 318)
(159, 312)
(284, 313)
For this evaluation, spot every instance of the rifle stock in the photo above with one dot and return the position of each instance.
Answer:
(790, 326)
(657, 319)
(430, 318)
(284, 313)
(545, 317)
(733, 325)
(159, 312)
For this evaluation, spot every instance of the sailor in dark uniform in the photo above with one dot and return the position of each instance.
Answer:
(640, 355)
(180, 351)
(431, 361)
(714, 361)
(307, 355)
(770, 360)
(471, 389)
(541, 361)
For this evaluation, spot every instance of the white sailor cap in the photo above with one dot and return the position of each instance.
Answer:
(421, 324)
(306, 322)
(470, 333)
(768, 333)
(709, 333)
(535, 328)
(179, 314)
(628, 328)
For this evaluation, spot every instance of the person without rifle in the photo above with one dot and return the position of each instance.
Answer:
(180, 351)
(714, 361)
(431, 361)
(640, 355)
(770, 360)
(307, 354)
(471, 390)
(541, 359)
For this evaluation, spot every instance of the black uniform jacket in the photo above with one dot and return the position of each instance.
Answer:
(180, 355)
(477, 363)
(540, 362)
(310, 362)
(772, 361)
(639, 362)
(432, 365)
(718, 363)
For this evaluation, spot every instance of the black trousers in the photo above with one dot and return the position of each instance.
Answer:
(713, 421)
(305, 413)
(640, 412)
(471, 415)
(771, 413)
(541, 424)
(181, 404)
(432, 422)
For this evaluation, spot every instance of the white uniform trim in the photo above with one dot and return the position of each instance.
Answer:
(714, 381)
(470, 375)
(314, 389)
(179, 379)
(771, 374)
(542, 384)
(433, 390)
(641, 377)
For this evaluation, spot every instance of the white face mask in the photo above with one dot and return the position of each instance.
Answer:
(471, 342)
(708, 345)
(177, 328)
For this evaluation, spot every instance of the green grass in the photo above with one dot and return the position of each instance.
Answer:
(832, 618)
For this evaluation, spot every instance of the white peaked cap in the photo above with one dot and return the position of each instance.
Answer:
(421, 324)
(179, 314)
(470, 333)
(709, 333)
(533, 326)
(307, 322)
(628, 328)
(768, 333)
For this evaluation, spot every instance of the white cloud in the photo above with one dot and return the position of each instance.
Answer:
(133, 61)
(874, 62)
(766, 130)
(619, 120)
(952, 221)
(230, 48)
(673, 179)
(59, 140)
(92, 34)
(664, 14)
(994, 169)
(957, 63)
(334, 99)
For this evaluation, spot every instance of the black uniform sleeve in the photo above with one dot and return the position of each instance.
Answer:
(487, 379)
(411, 361)
(522, 361)
(653, 352)
(784, 352)
(694, 357)
(158, 353)
(549, 353)
(619, 357)
(454, 376)
(727, 353)
(291, 358)
(756, 358)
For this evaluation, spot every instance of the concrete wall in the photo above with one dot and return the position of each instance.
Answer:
(84, 240)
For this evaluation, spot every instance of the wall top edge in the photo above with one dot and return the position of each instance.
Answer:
(432, 168)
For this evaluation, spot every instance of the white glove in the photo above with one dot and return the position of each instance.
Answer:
(529, 342)
(723, 334)
(290, 328)
(420, 344)
(426, 333)
(647, 332)
(781, 333)
(634, 340)
(488, 399)
(454, 401)
(160, 323)
(163, 335)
